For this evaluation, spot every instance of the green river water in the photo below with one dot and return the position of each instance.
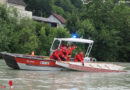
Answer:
(63, 80)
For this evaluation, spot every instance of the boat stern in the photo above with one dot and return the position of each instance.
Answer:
(10, 60)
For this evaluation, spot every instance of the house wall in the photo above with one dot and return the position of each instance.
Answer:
(51, 17)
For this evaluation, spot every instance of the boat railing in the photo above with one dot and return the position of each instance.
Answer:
(93, 59)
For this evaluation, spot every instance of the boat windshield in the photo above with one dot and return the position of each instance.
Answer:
(56, 44)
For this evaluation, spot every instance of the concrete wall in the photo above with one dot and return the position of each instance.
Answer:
(23, 14)
(21, 10)
(20, 7)
(2, 1)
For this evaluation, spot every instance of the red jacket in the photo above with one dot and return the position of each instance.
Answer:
(55, 55)
(61, 53)
(79, 57)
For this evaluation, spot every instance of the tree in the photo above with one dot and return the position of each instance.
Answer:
(57, 10)
(77, 3)
(40, 7)
(72, 22)
(121, 22)
(27, 39)
(46, 38)
(43, 42)
(6, 29)
(65, 4)
(101, 22)
(16, 35)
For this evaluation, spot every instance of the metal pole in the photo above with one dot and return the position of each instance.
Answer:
(59, 44)
(52, 46)
(89, 49)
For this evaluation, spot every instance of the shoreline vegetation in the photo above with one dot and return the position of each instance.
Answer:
(107, 23)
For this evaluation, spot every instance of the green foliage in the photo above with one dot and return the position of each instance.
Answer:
(77, 3)
(27, 36)
(46, 38)
(107, 23)
(58, 10)
(43, 42)
(39, 7)
(6, 29)
(16, 35)
(65, 4)
(72, 22)
(44, 7)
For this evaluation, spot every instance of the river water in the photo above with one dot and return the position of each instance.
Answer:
(63, 80)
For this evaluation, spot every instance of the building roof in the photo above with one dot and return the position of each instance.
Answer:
(43, 19)
(18, 2)
(60, 18)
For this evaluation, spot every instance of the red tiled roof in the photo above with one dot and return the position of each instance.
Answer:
(19, 2)
(60, 18)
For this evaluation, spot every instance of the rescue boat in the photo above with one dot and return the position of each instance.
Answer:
(35, 62)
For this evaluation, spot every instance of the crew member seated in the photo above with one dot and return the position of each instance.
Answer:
(62, 54)
(69, 52)
(79, 57)
(55, 55)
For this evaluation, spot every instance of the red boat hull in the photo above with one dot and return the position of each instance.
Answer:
(28, 62)
(36, 62)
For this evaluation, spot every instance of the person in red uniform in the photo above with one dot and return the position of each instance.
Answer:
(69, 52)
(66, 52)
(79, 57)
(68, 55)
(55, 55)
(62, 53)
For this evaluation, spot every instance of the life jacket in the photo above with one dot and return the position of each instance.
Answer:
(61, 54)
(67, 53)
(55, 55)
(79, 57)
(82, 55)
